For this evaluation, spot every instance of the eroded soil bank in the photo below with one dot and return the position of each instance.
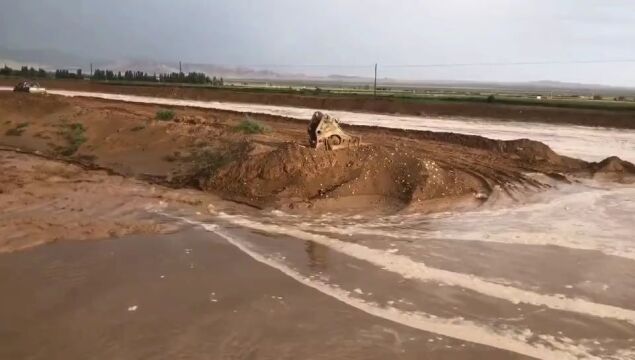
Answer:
(271, 165)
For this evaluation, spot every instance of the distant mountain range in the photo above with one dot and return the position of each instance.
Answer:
(51, 59)
(54, 59)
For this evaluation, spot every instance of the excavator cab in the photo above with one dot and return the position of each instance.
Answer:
(325, 132)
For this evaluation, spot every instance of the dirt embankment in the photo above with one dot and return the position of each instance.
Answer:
(273, 167)
(500, 112)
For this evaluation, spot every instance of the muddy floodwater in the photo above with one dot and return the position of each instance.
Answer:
(549, 278)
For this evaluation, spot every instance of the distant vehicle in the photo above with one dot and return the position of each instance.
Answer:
(30, 87)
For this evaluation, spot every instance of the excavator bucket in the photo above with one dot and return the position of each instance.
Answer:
(325, 132)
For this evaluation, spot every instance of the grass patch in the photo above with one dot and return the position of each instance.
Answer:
(75, 136)
(18, 130)
(250, 126)
(165, 115)
(138, 128)
(207, 162)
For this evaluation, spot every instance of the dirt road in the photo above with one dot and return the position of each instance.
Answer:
(500, 112)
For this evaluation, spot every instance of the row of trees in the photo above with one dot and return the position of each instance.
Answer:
(25, 71)
(127, 75)
(31, 72)
(65, 74)
(190, 78)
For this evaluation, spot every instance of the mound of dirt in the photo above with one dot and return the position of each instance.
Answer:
(295, 176)
(613, 169)
(520, 149)
(392, 177)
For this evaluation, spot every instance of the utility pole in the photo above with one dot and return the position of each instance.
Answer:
(375, 84)
(91, 69)
(180, 68)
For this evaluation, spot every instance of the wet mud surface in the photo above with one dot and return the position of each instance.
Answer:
(187, 295)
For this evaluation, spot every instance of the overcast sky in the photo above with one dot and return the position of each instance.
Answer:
(343, 32)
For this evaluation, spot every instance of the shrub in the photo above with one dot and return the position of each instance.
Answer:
(75, 136)
(207, 162)
(165, 115)
(491, 99)
(249, 126)
(18, 130)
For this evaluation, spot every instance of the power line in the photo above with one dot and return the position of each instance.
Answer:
(573, 62)
(296, 65)
(362, 66)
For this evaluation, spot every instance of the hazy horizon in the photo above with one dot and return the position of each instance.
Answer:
(345, 37)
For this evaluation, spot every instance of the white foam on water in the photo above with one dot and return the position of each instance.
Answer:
(513, 339)
(411, 269)
(579, 218)
(589, 143)
(454, 328)
(571, 241)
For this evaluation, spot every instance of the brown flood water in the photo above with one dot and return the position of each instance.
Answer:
(189, 295)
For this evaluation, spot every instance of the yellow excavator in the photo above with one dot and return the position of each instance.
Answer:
(325, 132)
